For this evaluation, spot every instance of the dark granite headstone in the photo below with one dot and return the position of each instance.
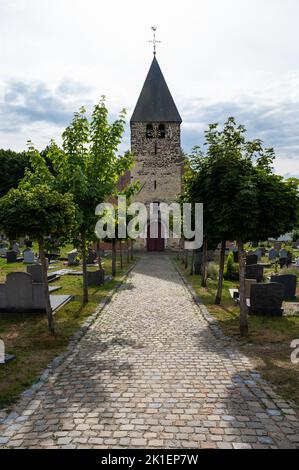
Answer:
(36, 272)
(266, 299)
(11, 257)
(96, 278)
(289, 281)
(272, 254)
(248, 284)
(283, 262)
(283, 254)
(19, 291)
(251, 259)
(254, 271)
(91, 257)
(72, 258)
(197, 262)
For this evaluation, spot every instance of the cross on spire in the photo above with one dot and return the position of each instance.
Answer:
(154, 40)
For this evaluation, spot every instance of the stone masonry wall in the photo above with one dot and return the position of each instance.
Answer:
(157, 160)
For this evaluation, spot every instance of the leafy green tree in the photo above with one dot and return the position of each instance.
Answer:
(243, 199)
(86, 166)
(38, 212)
(12, 169)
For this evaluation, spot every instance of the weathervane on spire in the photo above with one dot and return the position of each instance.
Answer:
(154, 41)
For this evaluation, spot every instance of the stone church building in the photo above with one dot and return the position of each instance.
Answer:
(156, 145)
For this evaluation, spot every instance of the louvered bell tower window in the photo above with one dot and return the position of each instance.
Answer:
(149, 131)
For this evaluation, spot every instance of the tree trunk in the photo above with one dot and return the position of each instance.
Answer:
(132, 250)
(186, 259)
(113, 257)
(221, 270)
(192, 263)
(121, 254)
(243, 305)
(204, 263)
(128, 253)
(43, 261)
(85, 283)
(99, 256)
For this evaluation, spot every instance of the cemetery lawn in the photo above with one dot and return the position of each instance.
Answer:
(268, 343)
(27, 338)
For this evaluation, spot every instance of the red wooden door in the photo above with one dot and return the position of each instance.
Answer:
(155, 244)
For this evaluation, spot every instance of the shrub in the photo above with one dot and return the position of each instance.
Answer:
(231, 269)
(213, 270)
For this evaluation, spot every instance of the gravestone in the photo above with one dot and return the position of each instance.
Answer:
(248, 284)
(272, 254)
(72, 255)
(96, 278)
(283, 253)
(28, 256)
(197, 262)
(16, 248)
(277, 245)
(283, 262)
(289, 281)
(254, 271)
(262, 250)
(19, 291)
(258, 253)
(251, 259)
(19, 294)
(3, 249)
(35, 270)
(11, 256)
(266, 299)
(91, 257)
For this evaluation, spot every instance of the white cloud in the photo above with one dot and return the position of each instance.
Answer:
(218, 58)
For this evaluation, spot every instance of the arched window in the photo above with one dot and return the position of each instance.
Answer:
(149, 131)
(161, 131)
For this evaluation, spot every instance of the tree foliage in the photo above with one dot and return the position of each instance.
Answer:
(87, 166)
(243, 199)
(38, 211)
(12, 169)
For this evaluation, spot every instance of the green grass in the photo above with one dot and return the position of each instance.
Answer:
(26, 336)
(268, 343)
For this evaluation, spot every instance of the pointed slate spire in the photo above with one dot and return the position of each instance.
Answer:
(155, 103)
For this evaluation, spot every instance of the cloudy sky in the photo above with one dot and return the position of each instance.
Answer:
(220, 58)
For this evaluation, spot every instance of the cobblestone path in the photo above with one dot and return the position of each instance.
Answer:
(150, 373)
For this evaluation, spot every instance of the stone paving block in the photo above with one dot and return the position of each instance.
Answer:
(152, 371)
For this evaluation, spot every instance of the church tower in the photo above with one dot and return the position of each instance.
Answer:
(156, 145)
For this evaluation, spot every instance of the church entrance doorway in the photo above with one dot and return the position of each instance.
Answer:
(155, 244)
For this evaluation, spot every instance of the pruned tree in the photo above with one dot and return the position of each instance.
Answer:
(38, 211)
(243, 199)
(86, 166)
